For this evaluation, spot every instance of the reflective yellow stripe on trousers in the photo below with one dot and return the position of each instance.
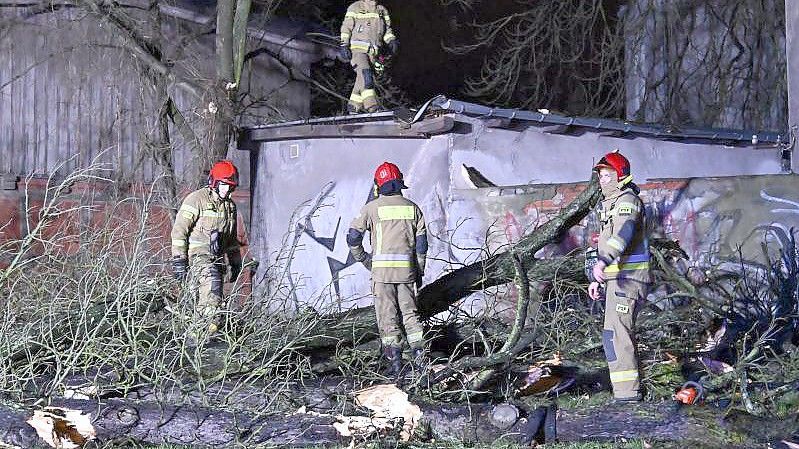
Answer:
(623, 376)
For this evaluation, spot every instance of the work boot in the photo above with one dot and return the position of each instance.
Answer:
(352, 109)
(628, 400)
(394, 356)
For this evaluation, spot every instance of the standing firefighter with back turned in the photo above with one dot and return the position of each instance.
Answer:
(365, 30)
(203, 234)
(399, 249)
(623, 268)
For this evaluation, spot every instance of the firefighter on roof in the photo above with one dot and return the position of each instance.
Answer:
(366, 29)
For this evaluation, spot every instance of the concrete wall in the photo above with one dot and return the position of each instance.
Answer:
(510, 157)
(307, 191)
(711, 217)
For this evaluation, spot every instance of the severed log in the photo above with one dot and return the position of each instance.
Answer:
(157, 423)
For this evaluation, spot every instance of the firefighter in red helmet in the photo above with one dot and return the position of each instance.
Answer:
(623, 268)
(399, 249)
(204, 234)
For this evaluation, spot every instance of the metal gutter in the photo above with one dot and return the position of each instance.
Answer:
(657, 131)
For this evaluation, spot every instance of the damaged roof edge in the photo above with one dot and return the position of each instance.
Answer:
(394, 124)
(657, 131)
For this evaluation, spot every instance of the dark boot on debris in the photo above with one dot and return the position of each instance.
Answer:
(628, 400)
(393, 355)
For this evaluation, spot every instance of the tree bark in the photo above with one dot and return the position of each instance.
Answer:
(437, 296)
(158, 423)
(359, 325)
(224, 90)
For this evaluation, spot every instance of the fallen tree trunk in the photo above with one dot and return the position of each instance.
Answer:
(359, 325)
(437, 296)
(157, 423)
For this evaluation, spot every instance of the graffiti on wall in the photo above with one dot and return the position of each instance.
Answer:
(711, 218)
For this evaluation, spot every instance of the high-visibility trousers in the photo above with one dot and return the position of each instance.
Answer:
(206, 280)
(364, 96)
(395, 307)
(623, 298)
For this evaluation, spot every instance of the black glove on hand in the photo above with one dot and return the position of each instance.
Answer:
(393, 46)
(345, 52)
(180, 268)
(367, 262)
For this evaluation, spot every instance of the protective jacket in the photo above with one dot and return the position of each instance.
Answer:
(205, 225)
(366, 27)
(398, 236)
(623, 244)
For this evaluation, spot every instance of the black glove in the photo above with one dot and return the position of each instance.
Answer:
(367, 262)
(345, 52)
(393, 46)
(180, 268)
(235, 270)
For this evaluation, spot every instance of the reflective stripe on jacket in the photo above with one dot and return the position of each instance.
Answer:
(202, 213)
(623, 244)
(393, 222)
(366, 27)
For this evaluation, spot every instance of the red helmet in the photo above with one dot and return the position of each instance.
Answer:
(617, 162)
(387, 172)
(223, 171)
